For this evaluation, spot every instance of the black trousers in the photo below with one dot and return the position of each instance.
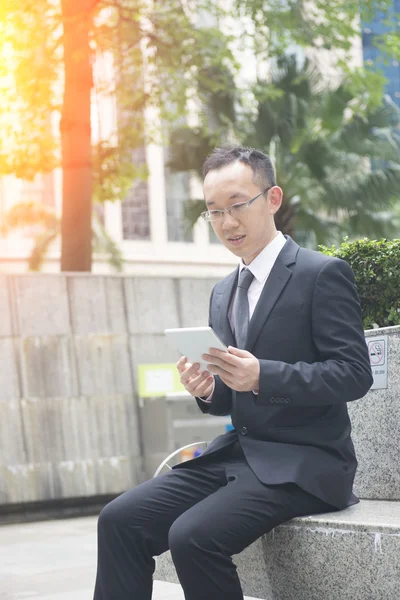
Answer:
(203, 513)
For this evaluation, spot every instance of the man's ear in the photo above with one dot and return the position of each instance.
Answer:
(275, 199)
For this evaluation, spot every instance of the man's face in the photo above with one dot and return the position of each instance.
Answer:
(247, 235)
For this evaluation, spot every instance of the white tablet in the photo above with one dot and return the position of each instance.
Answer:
(193, 342)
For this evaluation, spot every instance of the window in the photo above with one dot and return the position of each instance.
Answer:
(135, 207)
(177, 192)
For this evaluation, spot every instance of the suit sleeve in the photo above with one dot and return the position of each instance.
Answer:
(220, 403)
(343, 372)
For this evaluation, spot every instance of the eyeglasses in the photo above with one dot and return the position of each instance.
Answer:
(236, 210)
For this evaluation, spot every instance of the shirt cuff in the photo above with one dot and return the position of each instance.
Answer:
(209, 398)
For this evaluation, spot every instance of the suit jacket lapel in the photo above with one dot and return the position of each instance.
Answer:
(223, 309)
(273, 288)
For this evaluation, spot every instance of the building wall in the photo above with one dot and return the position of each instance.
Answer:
(70, 346)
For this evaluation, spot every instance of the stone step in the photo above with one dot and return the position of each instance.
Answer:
(172, 591)
(346, 555)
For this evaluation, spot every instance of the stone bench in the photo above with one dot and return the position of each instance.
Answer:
(347, 555)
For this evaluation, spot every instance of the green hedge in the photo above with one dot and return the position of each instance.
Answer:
(376, 266)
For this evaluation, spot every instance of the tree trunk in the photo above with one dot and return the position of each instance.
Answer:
(76, 227)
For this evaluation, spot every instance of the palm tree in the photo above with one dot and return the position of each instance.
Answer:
(322, 154)
(43, 223)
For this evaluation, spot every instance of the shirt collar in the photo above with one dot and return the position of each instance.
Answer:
(261, 266)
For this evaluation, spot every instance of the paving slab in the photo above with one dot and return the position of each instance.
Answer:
(56, 560)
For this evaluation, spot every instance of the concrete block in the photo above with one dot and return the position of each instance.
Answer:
(92, 477)
(97, 426)
(9, 377)
(376, 430)
(34, 482)
(97, 304)
(152, 461)
(185, 409)
(194, 301)
(69, 447)
(197, 430)
(351, 555)
(152, 349)
(41, 305)
(12, 434)
(103, 364)
(6, 320)
(152, 304)
(156, 428)
(48, 367)
(47, 435)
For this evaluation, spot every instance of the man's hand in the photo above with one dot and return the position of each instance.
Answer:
(200, 384)
(238, 369)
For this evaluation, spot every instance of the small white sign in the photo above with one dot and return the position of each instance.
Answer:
(159, 380)
(377, 348)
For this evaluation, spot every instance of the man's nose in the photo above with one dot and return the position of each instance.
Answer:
(229, 221)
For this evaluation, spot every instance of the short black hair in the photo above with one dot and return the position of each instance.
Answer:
(262, 167)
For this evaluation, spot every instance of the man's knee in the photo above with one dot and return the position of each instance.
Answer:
(121, 511)
(178, 540)
(185, 537)
(108, 517)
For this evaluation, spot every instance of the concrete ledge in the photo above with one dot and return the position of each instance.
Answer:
(347, 555)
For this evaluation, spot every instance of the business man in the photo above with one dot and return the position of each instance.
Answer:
(297, 355)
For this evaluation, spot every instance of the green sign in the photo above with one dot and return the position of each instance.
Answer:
(158, 380)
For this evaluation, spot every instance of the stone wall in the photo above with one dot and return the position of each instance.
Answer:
(69, 348)
(376, 429)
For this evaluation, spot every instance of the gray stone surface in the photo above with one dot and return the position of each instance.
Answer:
(6, 321)
(9, 370)
(75, 447)
(194, 301)
(349, 555)
(155, 348)
(48, 367)
(12, 435)
(152, 304)
(56, 560)
(376, 430)
(41, 305)
(65, 429)
(34, 482)
(97, 304)
(103, 364)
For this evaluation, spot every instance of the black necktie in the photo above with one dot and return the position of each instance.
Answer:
(241, 315)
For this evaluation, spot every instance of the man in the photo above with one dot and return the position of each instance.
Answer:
(291, 319)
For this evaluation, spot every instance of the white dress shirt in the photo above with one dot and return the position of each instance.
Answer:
(261, 267)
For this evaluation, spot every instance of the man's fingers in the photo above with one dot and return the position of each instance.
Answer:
(226, 361)
(204, 388)
(222, 368)
(199, 384)
(180, 365)
(188, 371)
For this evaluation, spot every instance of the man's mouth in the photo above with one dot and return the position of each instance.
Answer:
(236, 239)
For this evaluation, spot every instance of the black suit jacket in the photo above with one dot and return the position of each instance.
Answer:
(307, 333)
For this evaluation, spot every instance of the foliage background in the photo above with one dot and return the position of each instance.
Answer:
(376, 266)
